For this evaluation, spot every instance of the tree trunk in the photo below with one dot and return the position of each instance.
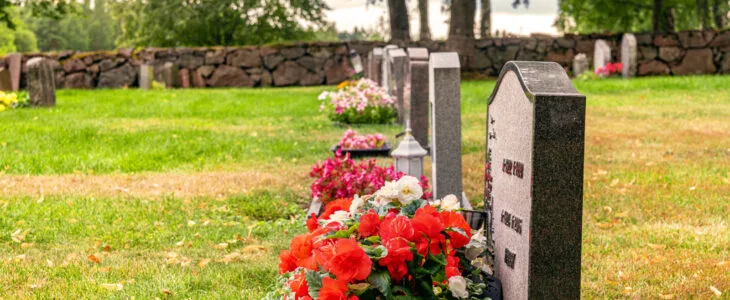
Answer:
(400, 29)
(718, 14)
(461, 30)
(703, 9)
(662, 17)
(485, 25)
(424, 29)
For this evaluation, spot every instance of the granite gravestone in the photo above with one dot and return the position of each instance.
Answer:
(416, 94)
(601, 54)
(375, 59)
(14, 65)
(445, 111)
(6, 83)
(41, 82)
(628, 55)
(580, 64)
(385, 72)
(399, 68)
(534, 180)
(146, 76)
(171, 75)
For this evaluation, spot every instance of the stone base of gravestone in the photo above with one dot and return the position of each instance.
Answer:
(41, 82)
(6, 83)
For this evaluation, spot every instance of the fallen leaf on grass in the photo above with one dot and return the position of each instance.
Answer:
(657, 246)
(724, 264)
(112, 286)
(204, 262)
(628, 291)
(36, 286)
(254, 249)
(166, 292)
(221, 246)
(49, 263)
(666, 296)
(232, 257)
(714, 290)
(175, 258)
(26, 245)
(93, 259)
(604, 225)
(18, 236)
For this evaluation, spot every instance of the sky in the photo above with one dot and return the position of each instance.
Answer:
(538, 18)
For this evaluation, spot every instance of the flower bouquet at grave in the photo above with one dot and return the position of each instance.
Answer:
(388, 245)
(359, 101)
(352, 140)
(341, 177)
(12, 100)
(610, 69)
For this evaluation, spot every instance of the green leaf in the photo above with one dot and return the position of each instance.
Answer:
(381, 281)
(410, 209)
(376, 253)
(314, 281)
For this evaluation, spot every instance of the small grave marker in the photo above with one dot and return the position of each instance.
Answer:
(146, 76)
(386, 76)
(534, 180)
(601, 54)
(628, 55)
(416, 94)
(6, 82)
(580, 64)
(41, 82)
(375, 59)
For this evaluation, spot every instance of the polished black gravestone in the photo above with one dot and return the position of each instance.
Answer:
(534, 181)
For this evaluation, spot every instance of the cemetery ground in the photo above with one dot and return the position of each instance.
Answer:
(193, 193)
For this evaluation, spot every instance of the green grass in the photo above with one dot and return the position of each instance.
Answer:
(148, 173)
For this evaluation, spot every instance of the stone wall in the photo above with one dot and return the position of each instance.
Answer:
(305, 64)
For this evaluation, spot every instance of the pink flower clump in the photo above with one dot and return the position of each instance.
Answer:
(610, 69)
(351, 140)
(341, 177)
(357, 95)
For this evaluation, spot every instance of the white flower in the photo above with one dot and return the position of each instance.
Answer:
(457, 286)
(323, 95)
(450, 202)
(409, 189)
(386, 194)
(357, 202)
(338, 216)
(476, 246)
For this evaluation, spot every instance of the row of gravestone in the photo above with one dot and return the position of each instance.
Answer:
(602, 56)
(40, 76)
(534, 160)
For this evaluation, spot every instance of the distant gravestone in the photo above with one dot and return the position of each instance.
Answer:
(399, 72)
(385, 72)
(416, 94)
(14, 65)
(375, 59)
(171, 75)
(628, 55)
(534, 181)
(146, 76)
(185, 78)
(580, 64)
(445, 107)
(41, 82)
(6, 83)
(601, 54)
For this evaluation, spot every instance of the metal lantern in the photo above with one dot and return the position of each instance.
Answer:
(356, 62)
(409, 156)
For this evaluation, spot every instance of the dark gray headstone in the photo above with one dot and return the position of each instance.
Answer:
(445, 107)
(534, 180)
(375, 59)
(6, 82)
(416, 94)
(629, 55)
(41, 82)
(14, 65)
(146, 76)
(601, 54)
(399, 72)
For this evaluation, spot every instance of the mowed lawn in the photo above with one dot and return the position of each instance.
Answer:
(193, 193)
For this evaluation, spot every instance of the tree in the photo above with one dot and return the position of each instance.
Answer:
(400, 27)
(424, 28)
(485, 19)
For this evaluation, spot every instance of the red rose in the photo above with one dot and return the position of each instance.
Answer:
(332, 207)
(453, 219)
(369, 224)
(349, 261)
(333, 289)
(312, 223)
(399, 251)
(298, 285)
(287, 262)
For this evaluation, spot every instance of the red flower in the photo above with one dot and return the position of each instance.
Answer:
(334, 289)
(298, 285)
(399, 226)
(312, 223)
(301, 248)
(453, 219)
(287, 262)
(428, 226)
(332, 207)
(369, 224)
(399, 251)
(349, 261)
(452, 266)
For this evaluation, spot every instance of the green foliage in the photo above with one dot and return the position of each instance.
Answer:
(7, 40)
(25, 41)
(587, 75)
(17, 38)
(170, 23)
(370, 115)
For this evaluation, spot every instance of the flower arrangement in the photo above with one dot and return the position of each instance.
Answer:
(359, 101)
(10, 100)
(351, 140)
(383, 246)
(610, 69)
(342, 177)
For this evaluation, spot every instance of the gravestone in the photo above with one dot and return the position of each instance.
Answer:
(375, 59)
(14, 65)
(416, 94)
(534, 181)
(445, 111)
(146, 76)
(399, 72)
(6, 83)
(580, 64)
(628, 55)
(171, 75)
(385, 72)
(185, 78)
(601, 54)
(41, 82)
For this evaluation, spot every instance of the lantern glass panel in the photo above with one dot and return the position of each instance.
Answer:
(401, 165)
(416, 167)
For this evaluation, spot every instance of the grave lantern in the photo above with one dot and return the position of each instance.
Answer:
(356, 62)
(409, 156)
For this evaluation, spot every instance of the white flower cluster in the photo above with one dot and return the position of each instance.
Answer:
(403, 191)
